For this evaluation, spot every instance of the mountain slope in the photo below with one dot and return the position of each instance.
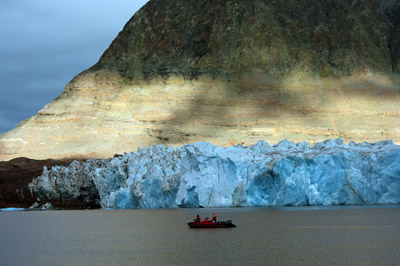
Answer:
(228, 72)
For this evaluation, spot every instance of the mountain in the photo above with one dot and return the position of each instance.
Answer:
(228, 72)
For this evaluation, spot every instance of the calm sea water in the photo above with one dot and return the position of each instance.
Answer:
(263, 236)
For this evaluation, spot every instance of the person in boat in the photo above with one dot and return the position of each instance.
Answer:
(207, 220)
(214, 218)
(198, 219)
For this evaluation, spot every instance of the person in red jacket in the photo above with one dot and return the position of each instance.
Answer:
(198, 219)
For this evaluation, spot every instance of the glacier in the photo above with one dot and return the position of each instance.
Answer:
(204, 175)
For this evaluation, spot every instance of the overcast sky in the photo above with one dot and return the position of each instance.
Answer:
(45, 43)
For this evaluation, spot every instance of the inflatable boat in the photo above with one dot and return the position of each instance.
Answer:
(219, 224)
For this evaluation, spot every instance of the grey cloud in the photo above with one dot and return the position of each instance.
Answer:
(46, 43)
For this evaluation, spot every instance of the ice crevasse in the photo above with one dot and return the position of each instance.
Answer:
(201, 174)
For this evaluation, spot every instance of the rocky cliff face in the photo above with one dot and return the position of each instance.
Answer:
(392, 11)
(324, 38)
(228, 72)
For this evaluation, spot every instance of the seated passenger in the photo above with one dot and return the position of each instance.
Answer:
(198, 219)
(207, 220)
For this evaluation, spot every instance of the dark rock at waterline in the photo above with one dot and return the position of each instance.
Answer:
(16, 174)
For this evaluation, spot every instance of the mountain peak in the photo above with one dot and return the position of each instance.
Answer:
(195, 37)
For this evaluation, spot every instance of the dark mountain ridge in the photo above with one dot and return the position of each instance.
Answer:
(194, 37)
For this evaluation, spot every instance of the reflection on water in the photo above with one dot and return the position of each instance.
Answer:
(263, 236)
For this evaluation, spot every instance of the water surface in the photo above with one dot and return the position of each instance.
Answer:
(263, 236)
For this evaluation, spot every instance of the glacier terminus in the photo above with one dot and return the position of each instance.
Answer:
(204, 175)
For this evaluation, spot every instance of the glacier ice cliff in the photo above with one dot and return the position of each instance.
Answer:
(201, 174)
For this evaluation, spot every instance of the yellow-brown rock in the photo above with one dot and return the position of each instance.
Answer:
(226, 72)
